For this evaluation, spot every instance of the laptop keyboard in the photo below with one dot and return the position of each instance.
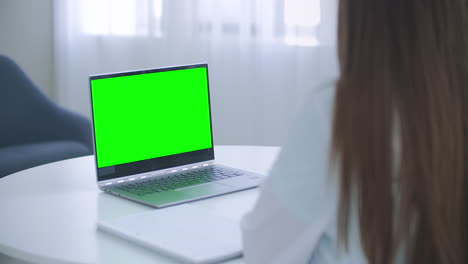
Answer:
(178, 181)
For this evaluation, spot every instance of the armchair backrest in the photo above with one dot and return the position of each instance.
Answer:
(28, 116)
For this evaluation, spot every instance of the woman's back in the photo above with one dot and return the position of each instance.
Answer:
(295, 218)
(404, 71)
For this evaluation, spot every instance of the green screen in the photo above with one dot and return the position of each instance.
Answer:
(150, 115)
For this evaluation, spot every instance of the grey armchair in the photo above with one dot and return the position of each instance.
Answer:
(33, 129)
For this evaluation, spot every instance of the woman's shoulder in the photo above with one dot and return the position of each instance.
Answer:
(320, 99)
(299, 198)
(300, 176)
(311, 124)
(314, 112)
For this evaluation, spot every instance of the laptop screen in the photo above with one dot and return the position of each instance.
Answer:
(149, 115)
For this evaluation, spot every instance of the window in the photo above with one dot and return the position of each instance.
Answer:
(121, 17)
(292, 22)
(301, 20)
(226, 17)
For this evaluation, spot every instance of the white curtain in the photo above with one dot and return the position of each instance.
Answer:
(263, 55)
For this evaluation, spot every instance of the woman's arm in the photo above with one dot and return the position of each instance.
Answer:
(298, 200)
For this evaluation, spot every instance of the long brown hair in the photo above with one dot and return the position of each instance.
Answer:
(404, 79)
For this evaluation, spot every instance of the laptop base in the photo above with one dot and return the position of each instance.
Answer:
(192, 193)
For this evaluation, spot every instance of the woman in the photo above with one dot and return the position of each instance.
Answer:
(394, 187)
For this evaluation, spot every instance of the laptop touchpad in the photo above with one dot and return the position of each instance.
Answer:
(204, 189)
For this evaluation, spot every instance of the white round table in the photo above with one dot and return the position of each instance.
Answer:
(49, 213)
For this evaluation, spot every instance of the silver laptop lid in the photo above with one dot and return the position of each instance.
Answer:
(150, 120)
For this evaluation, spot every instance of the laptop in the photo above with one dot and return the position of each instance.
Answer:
(153, 138)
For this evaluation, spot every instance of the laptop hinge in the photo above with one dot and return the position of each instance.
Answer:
(155, 174)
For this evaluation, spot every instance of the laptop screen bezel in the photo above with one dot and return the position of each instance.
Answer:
(153, 164)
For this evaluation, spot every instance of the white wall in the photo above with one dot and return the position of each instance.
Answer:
(26, 28)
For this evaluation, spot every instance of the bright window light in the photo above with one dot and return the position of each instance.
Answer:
(121, 17)
(157, 8)
(301, 19)
(226, 16)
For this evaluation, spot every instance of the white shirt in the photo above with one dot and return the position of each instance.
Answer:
(294, 219)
